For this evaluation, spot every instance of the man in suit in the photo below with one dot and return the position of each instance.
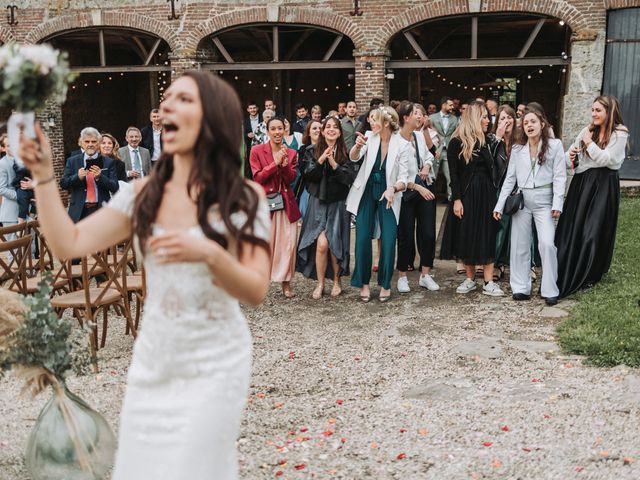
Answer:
(137, 159)
(250, 125)
(8, 195)
(445, 123)
(350, 124)
(152, 136)
(302, 118)
(492, 107)
(88, 187)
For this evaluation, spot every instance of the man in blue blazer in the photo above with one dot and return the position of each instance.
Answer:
(88, 187)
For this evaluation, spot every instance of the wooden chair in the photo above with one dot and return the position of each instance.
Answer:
(136, 288)
(61, 279)
(7, 233)
(90, 301)
(13, 263)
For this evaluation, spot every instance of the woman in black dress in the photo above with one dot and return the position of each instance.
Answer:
(325, 232)
(470, 230)
(586, 232)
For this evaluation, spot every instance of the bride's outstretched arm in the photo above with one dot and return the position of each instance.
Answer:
(66, 239)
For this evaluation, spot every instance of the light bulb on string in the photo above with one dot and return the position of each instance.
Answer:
(529, 77)
(264, 85)
(290, 89)
(314, 90)
(236, 77)
(326, 89)
(249, 82)
(302, 90)
(564, 70)
(276, 87)
(337, 87)
(348, 84)
(109, 78)
(540, 71)
(97, 81)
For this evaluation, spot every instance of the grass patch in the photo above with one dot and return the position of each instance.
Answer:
(605, 324)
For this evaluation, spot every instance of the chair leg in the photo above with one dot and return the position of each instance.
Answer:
(127, 305)
(93, 340)
(131, 326)
(138, 310)
(105, 320)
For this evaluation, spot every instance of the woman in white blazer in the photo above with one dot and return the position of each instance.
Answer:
(377, 193)
(537, 167)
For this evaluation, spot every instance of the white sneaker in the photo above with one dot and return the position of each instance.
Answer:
(493, 290)
(427, 281)
(466, 286)
(403, 285)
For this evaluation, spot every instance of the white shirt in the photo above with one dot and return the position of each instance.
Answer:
(445, 121)
(254, 122)
(157, 149)
(133, 155)
(551, 172)
(611, 157)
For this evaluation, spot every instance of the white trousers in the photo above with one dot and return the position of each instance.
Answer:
(537, 206)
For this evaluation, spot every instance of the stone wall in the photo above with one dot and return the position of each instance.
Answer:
(370, 32)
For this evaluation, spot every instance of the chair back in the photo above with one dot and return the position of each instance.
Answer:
(112, 267)
(13, 263)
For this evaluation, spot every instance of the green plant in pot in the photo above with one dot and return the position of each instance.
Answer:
(69, 441)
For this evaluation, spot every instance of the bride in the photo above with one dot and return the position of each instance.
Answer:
(203, 232)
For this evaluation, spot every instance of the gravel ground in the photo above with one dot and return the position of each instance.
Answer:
(427, 386)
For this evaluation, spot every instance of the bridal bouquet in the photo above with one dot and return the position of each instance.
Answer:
(29, 76)
(69, 441)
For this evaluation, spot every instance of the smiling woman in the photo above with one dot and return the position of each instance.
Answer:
(203, 231)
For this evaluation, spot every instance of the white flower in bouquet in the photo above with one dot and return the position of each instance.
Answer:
(29, 76)
(32, 74)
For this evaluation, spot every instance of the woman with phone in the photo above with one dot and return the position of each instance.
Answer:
(537, 167)
(204, 232)
(376, 193)
(586, 232)
(273, 166)
(323, 251)
(470, 229)
(418, 209)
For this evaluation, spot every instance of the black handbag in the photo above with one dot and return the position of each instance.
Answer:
(276, 201)
(514, 202)
(409, 195)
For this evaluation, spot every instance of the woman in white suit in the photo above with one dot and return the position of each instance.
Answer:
(377, 193)
(537, 166)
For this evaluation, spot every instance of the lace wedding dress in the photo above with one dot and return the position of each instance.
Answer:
(189, 376)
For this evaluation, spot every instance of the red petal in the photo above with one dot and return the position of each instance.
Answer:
(339, 402)
(505, 428)
(304, 429)
(525, 449)
(487, 444)
(299, 467)
(282, 462)
(403, 430)
(279, 473)
(343, 440)
(401, 456)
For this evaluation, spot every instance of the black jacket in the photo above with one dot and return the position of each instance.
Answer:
(107, 184)
(323, 182)
(147, 138)
(461, 171)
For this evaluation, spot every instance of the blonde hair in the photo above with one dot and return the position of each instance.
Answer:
(386, 114)
(469, 129)
(116, 146)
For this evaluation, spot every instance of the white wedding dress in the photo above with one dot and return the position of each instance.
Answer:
(189, 376)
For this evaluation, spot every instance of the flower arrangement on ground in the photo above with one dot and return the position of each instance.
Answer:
(69, 439)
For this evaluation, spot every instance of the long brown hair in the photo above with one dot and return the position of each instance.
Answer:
(544, 131)
(511, 139)
(614, 122)
(215, 174)
(306, 136)
(341, 148)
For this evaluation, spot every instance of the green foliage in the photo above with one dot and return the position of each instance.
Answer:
(605, 325)
(43, 339)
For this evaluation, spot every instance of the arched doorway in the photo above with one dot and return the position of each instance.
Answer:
(286, 62)
(122, 74)
(512, 57)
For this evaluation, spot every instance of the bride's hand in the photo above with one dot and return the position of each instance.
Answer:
(36, 155)
(179, 246)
